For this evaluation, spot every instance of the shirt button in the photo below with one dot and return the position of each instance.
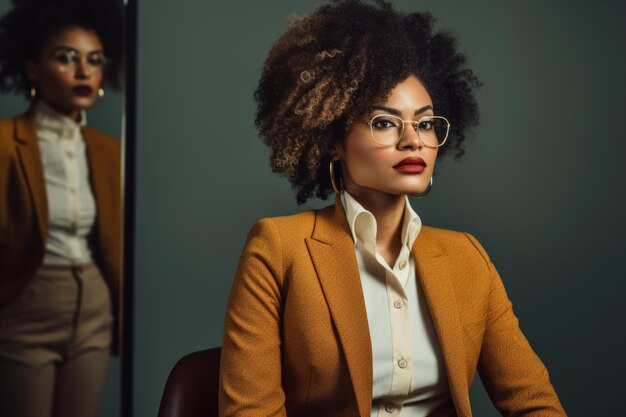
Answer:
(390, 408)
(70, 154)
(72, 190)
(402, 264)
(398, 304)
(402, 363)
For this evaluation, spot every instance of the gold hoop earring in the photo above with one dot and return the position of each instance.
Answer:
(332, 177)
(100, 92)
(426, 191)
(33, 92)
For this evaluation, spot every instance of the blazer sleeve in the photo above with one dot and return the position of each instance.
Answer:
(513, 375)
(250, 366)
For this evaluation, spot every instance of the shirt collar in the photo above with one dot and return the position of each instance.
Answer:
(363, 223)
(56, 125)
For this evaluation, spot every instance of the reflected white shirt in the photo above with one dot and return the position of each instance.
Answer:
(71, 204)
(409, 377)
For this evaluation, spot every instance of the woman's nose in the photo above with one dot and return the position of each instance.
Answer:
(410, 138)
(83, 69)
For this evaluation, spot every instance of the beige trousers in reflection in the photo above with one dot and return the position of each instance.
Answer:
(55, 341)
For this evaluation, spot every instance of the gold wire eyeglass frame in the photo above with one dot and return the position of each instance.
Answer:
(415, 125)
(75, 59)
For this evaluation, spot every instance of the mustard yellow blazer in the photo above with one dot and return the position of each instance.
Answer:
(296, 339)
(24, 206)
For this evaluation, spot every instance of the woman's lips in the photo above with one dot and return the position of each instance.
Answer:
(83, 91)
(410, 166)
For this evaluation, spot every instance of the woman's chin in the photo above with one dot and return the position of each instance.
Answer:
(82, 103)
(415, 189)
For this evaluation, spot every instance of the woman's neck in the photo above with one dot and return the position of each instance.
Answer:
(388, 210)
(74, 114)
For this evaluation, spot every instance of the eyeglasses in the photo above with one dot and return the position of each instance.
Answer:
(71, 58)
(387, 130)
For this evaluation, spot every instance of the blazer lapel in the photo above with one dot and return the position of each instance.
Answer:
(332, 251)
(97, 179)
(30, 159)
(438, 289)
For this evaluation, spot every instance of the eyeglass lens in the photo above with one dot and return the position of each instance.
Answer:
(388, 130)
(95, 60)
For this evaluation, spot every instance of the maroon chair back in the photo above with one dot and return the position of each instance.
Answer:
(191, 388)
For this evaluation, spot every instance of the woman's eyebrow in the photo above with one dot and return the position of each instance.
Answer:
(387, 109)
(423, 109)
(398, 112)
(70, 49)
(64, 48)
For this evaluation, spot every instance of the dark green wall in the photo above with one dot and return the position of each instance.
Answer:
(541, 185)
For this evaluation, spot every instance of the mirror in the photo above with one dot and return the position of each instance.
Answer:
(89, 239)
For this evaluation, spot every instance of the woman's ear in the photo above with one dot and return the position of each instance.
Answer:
(32, 72)
(336, 151)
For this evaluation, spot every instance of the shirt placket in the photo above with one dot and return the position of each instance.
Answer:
(396, 280)
(73, 184)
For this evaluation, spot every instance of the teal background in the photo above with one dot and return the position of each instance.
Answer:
(541, 185)
(106, 115)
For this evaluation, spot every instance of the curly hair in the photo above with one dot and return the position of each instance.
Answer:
(27, 27)
(328, 68)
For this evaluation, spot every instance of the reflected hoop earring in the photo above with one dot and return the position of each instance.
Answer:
(33, 92)
(426, 191)
(336, 189)
(100, 92)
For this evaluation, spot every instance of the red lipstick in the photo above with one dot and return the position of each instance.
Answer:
(411, 165)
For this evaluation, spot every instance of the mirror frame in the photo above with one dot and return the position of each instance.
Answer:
(128, 184)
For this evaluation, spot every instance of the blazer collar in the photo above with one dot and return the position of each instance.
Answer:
(30, 158)
(56, 125)
(331, 248)
(100, 180)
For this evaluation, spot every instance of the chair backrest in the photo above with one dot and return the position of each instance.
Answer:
(191, 388)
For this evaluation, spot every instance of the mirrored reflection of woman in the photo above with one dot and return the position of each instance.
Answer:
(358, 309)
(60, 214)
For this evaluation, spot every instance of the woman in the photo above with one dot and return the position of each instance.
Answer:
(60, 215)
(358, 309)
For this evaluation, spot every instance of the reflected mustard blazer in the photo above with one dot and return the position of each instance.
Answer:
(296, 339)
(24, 206)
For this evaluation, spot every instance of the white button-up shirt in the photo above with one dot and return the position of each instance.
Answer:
(71, 204)
(408, 370)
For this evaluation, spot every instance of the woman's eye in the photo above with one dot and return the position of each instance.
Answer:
(426, 124)
(97, 60)
(66, 58)
(383, 124)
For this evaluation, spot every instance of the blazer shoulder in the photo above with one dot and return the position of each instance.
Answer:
(7, 135)
(6, 123)
(439, 233)
(7, 129)
(294, 225)
(461, 243)
(102, 138)
(10, 126)
(292, 229)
